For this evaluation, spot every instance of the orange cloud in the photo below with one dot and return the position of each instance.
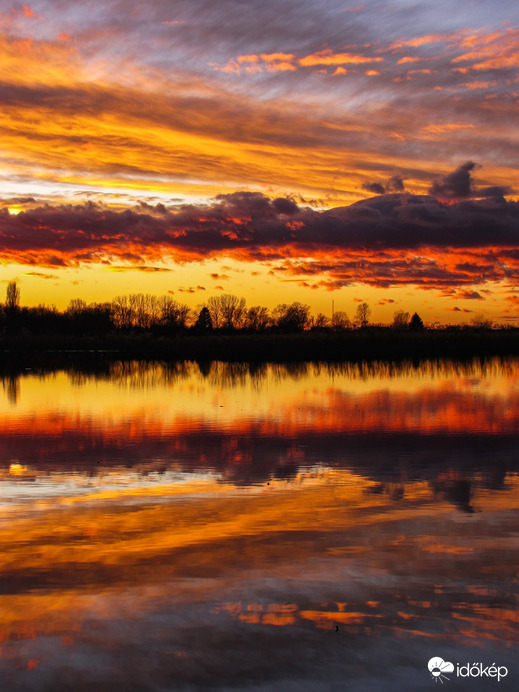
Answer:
(140, 268)
(27, 11)
(281, 67)
(494, 51)
(277, 57)
(426, 40)
(327, 57)
(247, 58)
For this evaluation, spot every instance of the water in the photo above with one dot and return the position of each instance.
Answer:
(308, 527)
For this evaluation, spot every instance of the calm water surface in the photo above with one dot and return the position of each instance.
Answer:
(224, 527)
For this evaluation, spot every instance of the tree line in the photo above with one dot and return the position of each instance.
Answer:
(163, 314)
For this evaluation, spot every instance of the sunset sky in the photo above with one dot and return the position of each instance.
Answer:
(278, 150)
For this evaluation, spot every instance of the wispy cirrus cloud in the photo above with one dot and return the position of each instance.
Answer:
(198, 101)
(41, 275)
(140, 268)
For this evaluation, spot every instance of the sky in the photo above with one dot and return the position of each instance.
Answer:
(328, 152)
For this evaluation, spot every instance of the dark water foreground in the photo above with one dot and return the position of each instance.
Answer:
(283, 527)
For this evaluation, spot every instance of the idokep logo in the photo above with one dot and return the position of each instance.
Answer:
(438, 667)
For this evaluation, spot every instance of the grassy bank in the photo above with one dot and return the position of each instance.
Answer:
(354, 345)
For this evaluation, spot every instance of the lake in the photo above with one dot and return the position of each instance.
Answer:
(291, 528)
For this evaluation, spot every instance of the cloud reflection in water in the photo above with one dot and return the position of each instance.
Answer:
(213, 547)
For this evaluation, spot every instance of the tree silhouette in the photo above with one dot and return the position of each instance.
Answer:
(172, 314)
(321, 321)
(145, 311)
(227, 311)
(12, 307)
(362, 315)
(12, 300)
(257, 318)
(416, 324)
(340, 320)
(479, 321)
(291, 318)
(204, 322)
(400, 320)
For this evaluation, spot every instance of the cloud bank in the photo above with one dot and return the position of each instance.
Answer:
(459, 235)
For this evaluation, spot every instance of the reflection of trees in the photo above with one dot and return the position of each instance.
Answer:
(230, 375)
(294, 371)
(143, 375)
(147, 374)
(424, 369)
(11, 386)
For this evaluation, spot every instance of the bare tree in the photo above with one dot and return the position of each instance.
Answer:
(12, 300)
(257, 318)
(362, 315)
(233, 311)
(479, 321)
(143, 311)
(146, 310)
(75, 307)
(340, 320)
(226, 311)
(172, 313)
(214, 305)
(122, 316)
(401, 320)
(321, 321)
(293, 317)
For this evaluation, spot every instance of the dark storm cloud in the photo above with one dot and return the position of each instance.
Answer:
(374, 188)
(252, 222)
(494, 191)
(456, 185)
(460, 185)
(412, 221)
(386, 240)
(394, 184)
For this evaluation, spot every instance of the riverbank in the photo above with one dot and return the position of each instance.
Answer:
(349, 345)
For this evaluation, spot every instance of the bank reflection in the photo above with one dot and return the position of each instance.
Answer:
(250, 424)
